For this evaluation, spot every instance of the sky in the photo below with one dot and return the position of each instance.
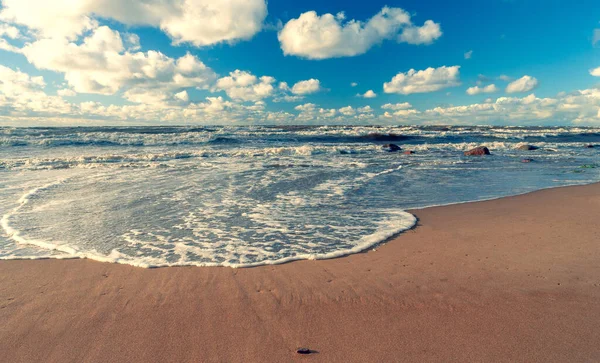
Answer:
(180, 62)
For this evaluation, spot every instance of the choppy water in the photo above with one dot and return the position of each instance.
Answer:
(245, 196)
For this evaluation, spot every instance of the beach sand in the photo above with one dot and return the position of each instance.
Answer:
(515, 279)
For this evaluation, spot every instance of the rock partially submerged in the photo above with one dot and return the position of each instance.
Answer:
(478, 151)
(589, 146)
(526, 147)
(391, 147)
(376, 136)
(408, 152)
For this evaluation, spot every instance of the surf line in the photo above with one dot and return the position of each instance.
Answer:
(16, 236)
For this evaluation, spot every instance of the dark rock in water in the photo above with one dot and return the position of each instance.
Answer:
(375, 136)
(590, 146)
(527, 147)
(481, 150)
(526, 160)
(391, 147)
(436, 128)
(303, 351)
(409, 152)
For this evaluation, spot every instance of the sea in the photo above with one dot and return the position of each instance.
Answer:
(258, 195)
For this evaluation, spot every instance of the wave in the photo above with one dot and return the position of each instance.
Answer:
(162, 159)
(198, 136)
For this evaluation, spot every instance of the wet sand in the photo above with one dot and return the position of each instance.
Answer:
(515, 279)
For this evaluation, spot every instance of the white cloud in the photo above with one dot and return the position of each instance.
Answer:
(353, 84)
(426, 34)
(15, 83)
(206, 22)
(428, 80)
(478, 90)
(23, 95)
(288, 98)
(595, 72)
(199, 22)
(368, 94)
(347, 111)
(523, 84)
(468, 54)
(580, 107)
(284, 86)
(306, 87)
(327, 113)
(244, 86)
(100, 64)
(329, 36)
(307, 107)
(9, 31)
(66, 92)
(24, 102)
(397, 106)
(50, 19)
(505, 78)
(182, 96)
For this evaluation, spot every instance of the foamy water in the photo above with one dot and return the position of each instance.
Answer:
(248, 196)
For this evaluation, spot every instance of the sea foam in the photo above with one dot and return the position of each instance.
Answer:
(250, 196)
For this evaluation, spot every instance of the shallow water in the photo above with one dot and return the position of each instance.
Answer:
(245, 196)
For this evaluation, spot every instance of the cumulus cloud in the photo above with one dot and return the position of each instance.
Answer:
(426, 34)
(14, 83)
(324, 36)
(347, 111)
(478, 90)
(199, 22)
(523, 84)
(505, 78)
(396, 106)
(23, 101)
(353, 84)
(595, 72)
(22, 94)
(101, 64)
(307, 107)
(368, 94)
(306, 87)
(66, 92)
(244, 86)
(579, 107)
(428, 80)
(468, 54)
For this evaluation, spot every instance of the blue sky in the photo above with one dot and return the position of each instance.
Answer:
(508, 62)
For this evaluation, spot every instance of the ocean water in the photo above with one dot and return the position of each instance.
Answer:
(248, 196)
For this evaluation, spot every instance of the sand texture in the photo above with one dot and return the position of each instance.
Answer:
(515, 280)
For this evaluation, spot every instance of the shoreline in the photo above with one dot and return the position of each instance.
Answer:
(340, 254)
(508, 279)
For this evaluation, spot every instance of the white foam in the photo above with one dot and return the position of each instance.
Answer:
(16, 235)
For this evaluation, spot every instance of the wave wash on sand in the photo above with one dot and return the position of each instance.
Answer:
(249, 196)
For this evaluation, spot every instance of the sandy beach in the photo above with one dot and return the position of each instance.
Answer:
(515, 279)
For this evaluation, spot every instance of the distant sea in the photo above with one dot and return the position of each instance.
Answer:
(247, 196)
